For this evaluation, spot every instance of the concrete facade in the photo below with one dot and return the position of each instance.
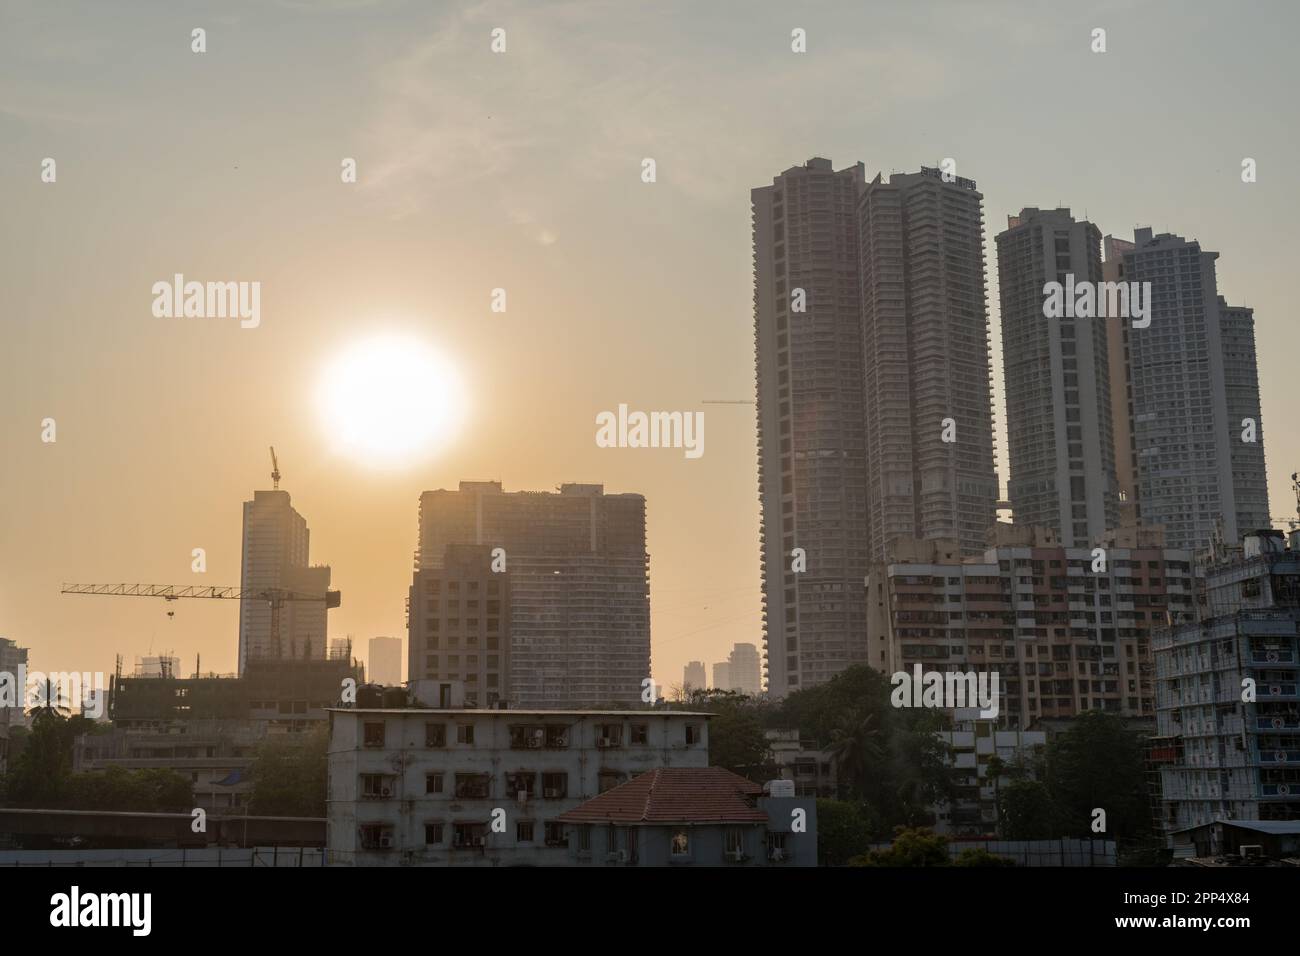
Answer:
(420, 787)
(1193, 380)
(1060, 437)
(579, 605)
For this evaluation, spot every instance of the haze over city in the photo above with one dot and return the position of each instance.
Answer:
(521, 173)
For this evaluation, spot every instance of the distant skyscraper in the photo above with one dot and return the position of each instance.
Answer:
(1060, 438)
(925, 328)
(1194, 399)
(722, 676)
(577, 569)
(385, 661)
(275, 556)
(695, 676)
(746, 669)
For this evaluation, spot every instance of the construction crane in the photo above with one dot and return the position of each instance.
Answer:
(275, 471)
(276, 597)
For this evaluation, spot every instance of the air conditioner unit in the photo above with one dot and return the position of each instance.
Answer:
(551, 793)
(1275, 690)
(522, 796)
(385, 792)
(385, 842)
(561, 741)
(1249, 850)
(1272, 657)
(1283, 790)
(1280, 756)
(604, 742)
(737, 855)
(1278, 723)
(622, 856)
(611, 857)
(480, 841)
(777, 855)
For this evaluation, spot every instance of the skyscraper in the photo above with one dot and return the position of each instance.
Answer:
(385, 662)
(1060, 437)
(1198, 436)
(275, 556)
(811, 435)
(722, 676)
(746, 669)
(925, 327)
(694, 676)
(578, 587)
(874, 410)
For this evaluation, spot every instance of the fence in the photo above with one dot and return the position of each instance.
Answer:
(291, 856)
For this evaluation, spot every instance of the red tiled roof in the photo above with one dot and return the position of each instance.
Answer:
(674, 795)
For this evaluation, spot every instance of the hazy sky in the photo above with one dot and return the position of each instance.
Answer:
(522, 170)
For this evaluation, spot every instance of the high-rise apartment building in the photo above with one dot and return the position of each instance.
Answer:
(1060, 436)
(1193, 410)
(925, 328)
(874, 413)
(811, 435)
(578, 588)
(275, 557)
(385, 662)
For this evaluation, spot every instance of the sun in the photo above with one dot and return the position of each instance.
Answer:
(390, 401)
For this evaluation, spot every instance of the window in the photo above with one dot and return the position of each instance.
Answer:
(609, 779)
(555, 835)
(640, 734)
(555, 786)
(609, 735)
(681, 844)
(584, 838)
(376, 786)
(432, 834)
(472, 786)
(374, 734)
(557, 736)
(522, 782)
(734, 842)
(527, 736)
(376, 836)
(776, 848)
(524, 831)
(435, 735)
(693, 734)
(464, 733)
(468, 835)
(433, 783)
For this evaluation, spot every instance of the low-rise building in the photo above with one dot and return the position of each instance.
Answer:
(1066, 629)
(692, 817)
(447, 787)
(800, 761)
(972, 743)
(1228, 693)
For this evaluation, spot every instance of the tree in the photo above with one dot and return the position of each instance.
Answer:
(289, 775)
(911, 847)
(39, 776)
(1026, 812)
(1097, 764)
(738, 743)
(978, 856)
(855, 749)
(844, 830)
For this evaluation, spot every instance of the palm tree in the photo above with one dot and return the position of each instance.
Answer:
(855, 746)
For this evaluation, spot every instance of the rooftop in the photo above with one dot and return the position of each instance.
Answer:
(675, 795)
(480, 711)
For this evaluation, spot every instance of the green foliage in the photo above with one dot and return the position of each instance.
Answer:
(1027, 811)
(844, 830)
(911, 847)
(1098, 763)
(978, 856)
(289, 775)
(41, 775)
